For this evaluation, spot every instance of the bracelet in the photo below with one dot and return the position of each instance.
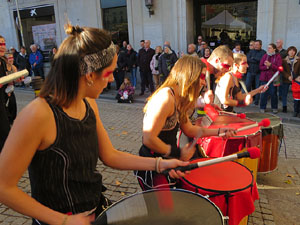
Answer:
(219, 132)
(241, 103)
(157, 169)
(65, 220)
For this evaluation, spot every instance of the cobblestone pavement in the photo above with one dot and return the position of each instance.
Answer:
(279, 190)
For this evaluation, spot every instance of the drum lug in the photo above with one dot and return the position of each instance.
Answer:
(226, 217)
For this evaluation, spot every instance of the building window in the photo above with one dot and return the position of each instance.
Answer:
(229, 23)
(115, 19)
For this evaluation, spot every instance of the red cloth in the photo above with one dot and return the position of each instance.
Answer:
(225, 177)
(296, 90)
(218, 146)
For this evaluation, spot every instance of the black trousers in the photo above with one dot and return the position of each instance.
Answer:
(296, 106)
(146, 79)
(4, 120)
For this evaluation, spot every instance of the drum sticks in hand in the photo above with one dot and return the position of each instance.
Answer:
(264, 123)
(252, 153)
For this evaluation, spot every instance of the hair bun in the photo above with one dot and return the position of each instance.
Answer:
(73, 30)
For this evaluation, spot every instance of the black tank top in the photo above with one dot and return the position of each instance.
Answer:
(168, 134)
(64, 176)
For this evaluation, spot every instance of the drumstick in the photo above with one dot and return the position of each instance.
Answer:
(280, 69)
(9, 78)
(252, 153)
(207, 78)
(264, 123)
(244, 86)
(241, 115)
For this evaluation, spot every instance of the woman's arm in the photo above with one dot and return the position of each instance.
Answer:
(125, 161)
(262, 65)
(25, 137)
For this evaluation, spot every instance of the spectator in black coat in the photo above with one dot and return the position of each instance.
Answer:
(166, 62)
(22, 60)
(144, 58)
(131, 63)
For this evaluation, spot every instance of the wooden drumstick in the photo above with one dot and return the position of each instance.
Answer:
(264, 123)
(9, 78)
(207, 78)
(241, 115)
(244, 86)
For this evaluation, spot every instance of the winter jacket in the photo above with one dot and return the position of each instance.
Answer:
(144, 59)
(267, 73)
(287, 71)
(36, 57)
(131, 59)
(128, 88)
(154, 64)
(253, 59)
(296, 89)
(166, 63)
(23, 62)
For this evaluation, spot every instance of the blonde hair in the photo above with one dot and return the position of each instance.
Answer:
(222, 52)
(186, 76)
(237, 57)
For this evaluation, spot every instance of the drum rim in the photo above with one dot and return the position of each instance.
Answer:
(223, 218)
(224, 192)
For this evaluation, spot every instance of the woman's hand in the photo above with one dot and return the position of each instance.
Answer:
(208, 97)
(173, 163)
(80, 219)
(229, 132)
(290, 78)
(267, 63)
(248, 99)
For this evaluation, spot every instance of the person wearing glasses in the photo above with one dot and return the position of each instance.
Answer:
(198, 45)
(228, 93)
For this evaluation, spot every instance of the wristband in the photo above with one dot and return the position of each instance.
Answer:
(241, 103)
(218, 132)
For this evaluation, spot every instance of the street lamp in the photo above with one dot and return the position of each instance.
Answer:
(149, 5)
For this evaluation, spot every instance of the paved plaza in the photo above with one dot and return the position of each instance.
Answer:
(279, 191)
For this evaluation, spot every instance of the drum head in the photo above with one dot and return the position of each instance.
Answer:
(162, 207)
(221, 178)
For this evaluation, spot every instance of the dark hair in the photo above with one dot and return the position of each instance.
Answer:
(23, 47)
(292, 48)
(63, 79)
(237, 44)
(274, 47)
(142, 40)
(2, 37)
(260, 42)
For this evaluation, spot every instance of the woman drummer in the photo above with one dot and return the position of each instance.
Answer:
(228, 93)
(167, 110)
(60, 137)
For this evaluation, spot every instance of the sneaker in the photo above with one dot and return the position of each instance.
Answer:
(275, 111)
(255, 103)
(262, 110)
(295, 114)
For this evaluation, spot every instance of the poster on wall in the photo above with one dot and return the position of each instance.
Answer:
(45, 36)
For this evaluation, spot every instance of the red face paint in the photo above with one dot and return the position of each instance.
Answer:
(10, 58)
(225, 66)
(244, 63)
(2, 44)
(107, 74)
